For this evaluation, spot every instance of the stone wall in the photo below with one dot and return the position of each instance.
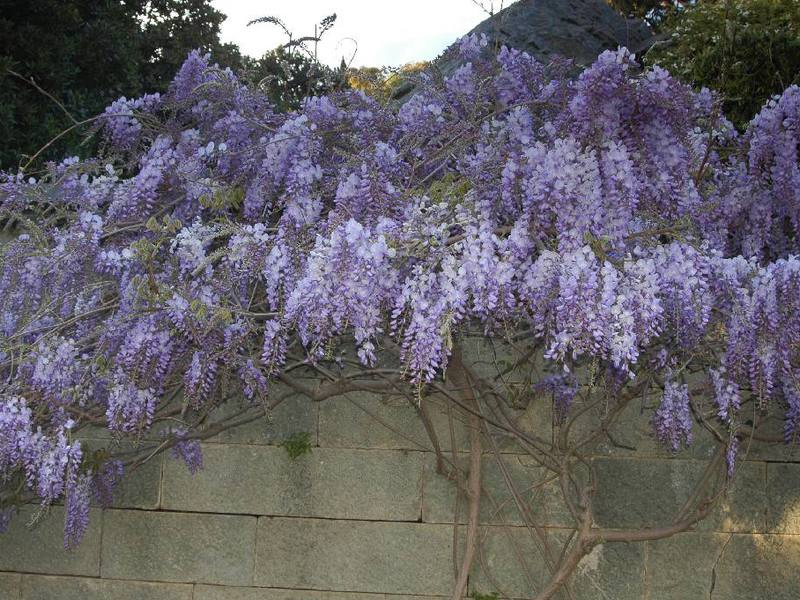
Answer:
(365, 516)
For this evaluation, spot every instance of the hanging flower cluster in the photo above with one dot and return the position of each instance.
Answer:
(616, 219)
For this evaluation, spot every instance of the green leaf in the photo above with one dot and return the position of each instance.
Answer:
(297, 444)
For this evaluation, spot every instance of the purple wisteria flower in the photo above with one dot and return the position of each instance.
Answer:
(614, 222)
(105, 480)
(673, 418)
(187, 450)
(76, 508)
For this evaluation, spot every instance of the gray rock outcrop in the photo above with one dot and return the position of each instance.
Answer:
(576, 29)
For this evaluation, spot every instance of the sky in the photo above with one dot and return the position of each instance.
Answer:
(386, 33)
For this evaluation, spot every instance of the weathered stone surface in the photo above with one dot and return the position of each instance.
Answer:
(632, 435)
(208, 592)
(688, 565)
(540, 494)
(772, 424)
(743, 508)
(398, 558)
(574, 29)
(294, 415)
(514, 566)
(496, 361)
(629, 435)
(679, 568)
(40, 549)
(37, 587)
(139, 488)
(363, 420)
(142, 488)
(577, 29)
(263, 480)
(611, 571)
(783, 498)
(649, 492)
(10, 586)
(182, 547)
(371, 472)
(642, 493)
(357, 421)
(98, 433)
(759, 566)
(774, 452)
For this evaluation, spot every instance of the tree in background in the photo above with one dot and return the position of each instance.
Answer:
(747, 50)
(63, 62)
(653, 11)
(382, 83)
(292, 71)
(170, 29)
(82, 54)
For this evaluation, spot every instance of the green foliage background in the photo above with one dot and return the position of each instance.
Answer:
(88, 53)
(748, 50)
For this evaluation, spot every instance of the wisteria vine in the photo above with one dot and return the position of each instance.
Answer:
(616, 220)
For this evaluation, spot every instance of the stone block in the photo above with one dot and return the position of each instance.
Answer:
(775, 452)
(783, 498)
(540, 494)
(697, 566)
(263, 480)
(631, 433)
(10, 586)
(99, 433)
(293, 415)
(139, 488)
(509, 563)
(451, 426)
(497, 362)
(36, 587)
(180, 547)
(759, 566)
(142, 487)
(211, 592)
(642, 493)
(649, 493)
(743, 507)
(771, 424)
(296, 414)
(680, 567)
(363, 420)
(513, 565)
(611, 571)
(208, 592)
(355, 556)
(40, 548)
